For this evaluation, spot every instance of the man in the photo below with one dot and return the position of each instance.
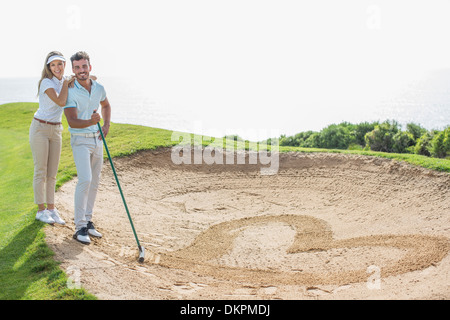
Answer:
(87, 148)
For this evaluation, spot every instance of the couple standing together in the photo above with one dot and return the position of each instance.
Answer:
(79, 96)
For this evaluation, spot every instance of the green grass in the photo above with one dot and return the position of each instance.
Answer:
(28, 269)
(27, 266)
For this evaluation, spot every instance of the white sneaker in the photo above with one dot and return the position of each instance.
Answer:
(82, 236)
(45, 216)
(54, 213)
(92, 231)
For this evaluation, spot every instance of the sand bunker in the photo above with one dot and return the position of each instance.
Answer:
(327, 226)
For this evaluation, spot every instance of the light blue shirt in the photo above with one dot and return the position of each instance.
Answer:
(85, 103)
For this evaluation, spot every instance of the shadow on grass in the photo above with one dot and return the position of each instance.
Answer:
(27, 262)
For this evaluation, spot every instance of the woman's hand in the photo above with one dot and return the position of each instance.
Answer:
(61, 98)
(70, 81)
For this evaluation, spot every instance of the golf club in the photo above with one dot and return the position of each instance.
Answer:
(141, 248)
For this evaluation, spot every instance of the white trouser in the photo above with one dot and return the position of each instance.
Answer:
(88, 157)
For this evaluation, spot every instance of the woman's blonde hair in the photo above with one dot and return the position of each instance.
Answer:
(46, 72)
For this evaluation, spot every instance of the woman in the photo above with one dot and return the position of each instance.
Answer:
(46, 135)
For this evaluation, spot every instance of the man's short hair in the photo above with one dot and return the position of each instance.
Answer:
(79, 56)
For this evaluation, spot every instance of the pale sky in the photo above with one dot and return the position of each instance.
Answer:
(236, 52)
(210, 37)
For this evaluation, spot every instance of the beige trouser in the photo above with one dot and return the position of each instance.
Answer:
(45, 142)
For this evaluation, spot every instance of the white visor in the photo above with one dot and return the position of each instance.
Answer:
(56, 57)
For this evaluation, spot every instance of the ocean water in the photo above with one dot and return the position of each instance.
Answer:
(424, 100)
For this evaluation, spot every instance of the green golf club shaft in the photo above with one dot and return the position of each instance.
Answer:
(118, 184)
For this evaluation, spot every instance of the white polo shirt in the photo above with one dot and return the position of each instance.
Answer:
(49, 110)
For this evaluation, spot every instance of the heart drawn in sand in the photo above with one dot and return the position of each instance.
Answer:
(311, 235)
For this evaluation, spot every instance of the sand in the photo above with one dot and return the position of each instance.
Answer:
(325, 226)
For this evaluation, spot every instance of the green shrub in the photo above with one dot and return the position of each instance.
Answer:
(416, 130)
(382, 137)
(313, 141)
(361, 130)
(440, 144)
(402, 140)
(423, 145)
(336, 137)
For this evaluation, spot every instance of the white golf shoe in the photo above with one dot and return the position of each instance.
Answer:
(92, 231)
(54, 213)
(45, 216)
(82, 236)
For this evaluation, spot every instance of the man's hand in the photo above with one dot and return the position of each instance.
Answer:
(106, 113)
(105, 130)
(74, 122)
(95, 118)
